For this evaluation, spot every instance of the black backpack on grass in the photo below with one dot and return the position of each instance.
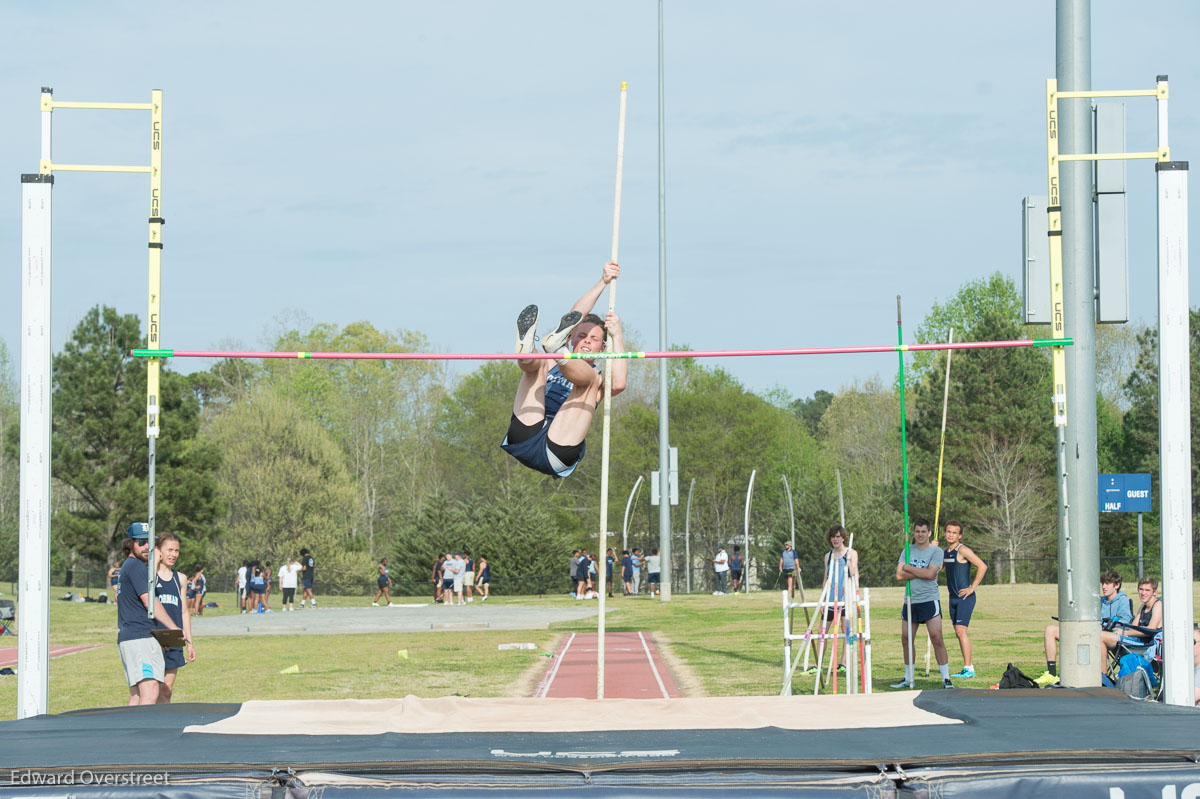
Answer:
(1015, 678)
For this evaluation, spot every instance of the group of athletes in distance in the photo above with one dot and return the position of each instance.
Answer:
(254, 583)
(919, 570)
(456, 578)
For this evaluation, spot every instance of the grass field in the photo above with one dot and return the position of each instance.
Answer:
(723, 646)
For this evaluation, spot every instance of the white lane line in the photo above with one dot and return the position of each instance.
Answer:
(545, 687)
(654, 668)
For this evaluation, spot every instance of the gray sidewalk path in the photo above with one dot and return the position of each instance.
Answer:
(399, 619)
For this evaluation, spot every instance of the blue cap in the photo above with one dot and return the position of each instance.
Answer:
(138, 530)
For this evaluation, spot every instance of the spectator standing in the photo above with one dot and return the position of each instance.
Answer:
(267, 574)
(437, 579)
(460, 570)
(581, 574)
(961, 588)
(469, 576)
(654, 572)
(199, 587)
(141, 656)
(257, 590)
(609, 561)
(920, 571)
(168, 589)
(735, 567)
(637, 570)
(627, 571)
(573, 571)
(787, 567)
(721, 570)
(288, 574)
(448, 570)
(114, 579)
(308, 574)
(243, 574)
(484, 579)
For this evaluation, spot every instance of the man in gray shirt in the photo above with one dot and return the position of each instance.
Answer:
(920, 571)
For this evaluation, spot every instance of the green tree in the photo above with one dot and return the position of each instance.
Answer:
(99, 449)
(10, 416)
(998, 421)
(379, 412)
(287, 487)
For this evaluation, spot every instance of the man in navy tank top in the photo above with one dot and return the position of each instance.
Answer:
(555, 401)
(958, 562)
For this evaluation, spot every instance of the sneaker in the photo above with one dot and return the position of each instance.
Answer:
(391, 604)
(811, 670)
(374, 604)
(967, 673)
(903, 684)
(557, 340)
(841, 669)
(526, 329)
(947, 684)
(1047, 679)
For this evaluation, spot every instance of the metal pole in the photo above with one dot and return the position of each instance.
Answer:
(1140, 571)
(687, 538)
(664, 454)
(746, 530)
(628, 506)
(33, 583)
(1174, 424)
(791, 511)
(1080, 651)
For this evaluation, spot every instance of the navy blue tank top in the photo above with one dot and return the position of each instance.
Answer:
(958, 572)
(167, 592)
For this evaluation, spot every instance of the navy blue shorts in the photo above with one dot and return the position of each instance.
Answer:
(382, 581)
(173, 658)
(535, 453)
(961, 609)
(308, 584)
(655, 578)
(922, 611)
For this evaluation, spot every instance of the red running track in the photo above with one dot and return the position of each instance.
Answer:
(8, 654)
(633, 669)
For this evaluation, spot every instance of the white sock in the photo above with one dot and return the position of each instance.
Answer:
(969, 667)
(945, 670)
(908, 672)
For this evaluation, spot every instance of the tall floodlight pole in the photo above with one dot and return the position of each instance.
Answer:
(746, 533)
(664, 454)
(1080, 651)
(687, 538)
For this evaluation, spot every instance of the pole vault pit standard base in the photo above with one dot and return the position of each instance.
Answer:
(931, 743)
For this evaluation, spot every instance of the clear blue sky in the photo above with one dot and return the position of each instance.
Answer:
(436, 166)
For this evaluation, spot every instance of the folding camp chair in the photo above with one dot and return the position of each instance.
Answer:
(8, 612)
(1144, 682)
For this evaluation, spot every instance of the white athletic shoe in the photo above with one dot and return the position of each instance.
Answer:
(391, 604)
(470, 599)
(557, 340)
(903, 685)
(374, 604)
(526, 329)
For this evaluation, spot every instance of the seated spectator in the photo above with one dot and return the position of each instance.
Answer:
(1196, 660)
(1149, 618)
(1114, 606)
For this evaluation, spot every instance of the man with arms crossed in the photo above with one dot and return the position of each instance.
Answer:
(959, 560)
(141, 654)
(921, 571)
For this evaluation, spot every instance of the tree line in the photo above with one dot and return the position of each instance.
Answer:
(359, 460)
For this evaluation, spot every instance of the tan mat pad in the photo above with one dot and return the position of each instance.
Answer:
(465, 715)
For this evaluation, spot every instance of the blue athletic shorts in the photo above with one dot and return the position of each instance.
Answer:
(655, 578)
(961, 609)
(535, 453)
(922, 611)
(173, 658)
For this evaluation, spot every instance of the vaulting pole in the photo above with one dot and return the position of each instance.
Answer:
(604, 451)
(904, 466)
(937, 505)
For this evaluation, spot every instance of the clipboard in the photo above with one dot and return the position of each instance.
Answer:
(168, 638)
